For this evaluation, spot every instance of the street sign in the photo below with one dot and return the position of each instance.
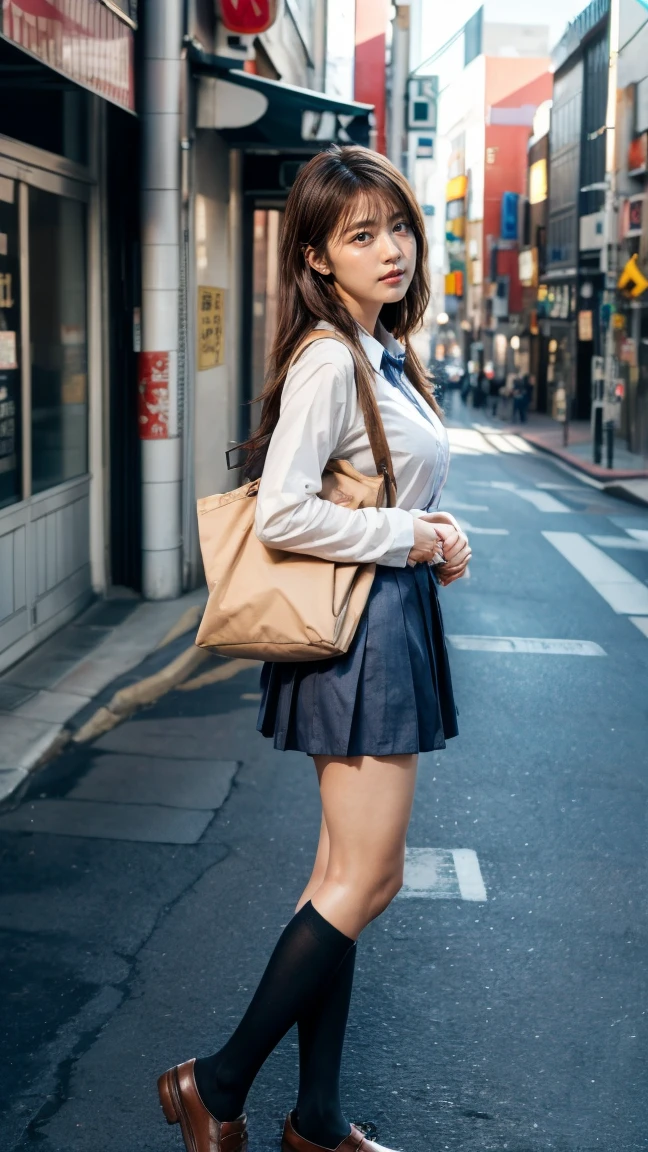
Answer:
(423, 93)
(247, 17)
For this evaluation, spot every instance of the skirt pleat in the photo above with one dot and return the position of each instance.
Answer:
(390, 694)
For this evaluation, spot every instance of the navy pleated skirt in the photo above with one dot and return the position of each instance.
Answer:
(390, 694)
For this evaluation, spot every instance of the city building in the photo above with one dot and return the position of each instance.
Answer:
(571, 286)
(492, 77)
(631, 334)
(145, 160)
(68, 211)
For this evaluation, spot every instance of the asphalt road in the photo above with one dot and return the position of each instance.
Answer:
(512, 1022)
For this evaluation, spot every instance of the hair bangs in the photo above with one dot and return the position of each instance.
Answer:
(369, 202)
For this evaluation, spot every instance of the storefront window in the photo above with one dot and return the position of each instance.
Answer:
(10, 456)
(57, 296)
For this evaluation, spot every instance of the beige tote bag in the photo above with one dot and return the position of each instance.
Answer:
(269, 604)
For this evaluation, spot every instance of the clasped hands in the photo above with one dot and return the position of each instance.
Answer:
(437, 534)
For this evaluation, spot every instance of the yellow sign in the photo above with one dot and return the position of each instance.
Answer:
(456, 188)
(632, 278)
(6, 293)
(211, 327)
(538, 182)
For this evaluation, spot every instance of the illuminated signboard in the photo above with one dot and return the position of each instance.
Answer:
(538, 182)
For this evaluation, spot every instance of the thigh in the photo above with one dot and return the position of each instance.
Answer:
(367, 804)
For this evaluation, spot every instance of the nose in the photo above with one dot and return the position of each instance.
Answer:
(389, 250)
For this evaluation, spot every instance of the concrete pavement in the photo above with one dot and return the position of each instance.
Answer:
(509, 1016)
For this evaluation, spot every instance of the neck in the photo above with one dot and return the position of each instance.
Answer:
(364, 312)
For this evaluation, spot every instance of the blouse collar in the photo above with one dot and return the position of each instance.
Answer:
(374, 345)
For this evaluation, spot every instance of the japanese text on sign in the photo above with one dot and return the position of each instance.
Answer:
(211, 327)
(153, 391)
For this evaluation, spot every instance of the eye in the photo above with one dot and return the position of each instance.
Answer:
(403, 225)
(362, 237)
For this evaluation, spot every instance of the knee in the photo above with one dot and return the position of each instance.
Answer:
(383, 889)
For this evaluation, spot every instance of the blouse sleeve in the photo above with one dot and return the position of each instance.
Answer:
(290, 515)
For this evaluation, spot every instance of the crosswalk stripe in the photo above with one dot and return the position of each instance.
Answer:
(621, 542)
(640, 622)
(526, 644)
(623, 592)
(469, 441)
(503, 444)
(451, 505)
(443, 874)
(475, 530)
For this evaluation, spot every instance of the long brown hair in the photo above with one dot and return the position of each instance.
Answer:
(318, 209)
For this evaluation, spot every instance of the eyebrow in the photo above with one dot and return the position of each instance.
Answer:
(365, 223)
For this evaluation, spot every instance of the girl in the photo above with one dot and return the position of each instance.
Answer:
(353, 260)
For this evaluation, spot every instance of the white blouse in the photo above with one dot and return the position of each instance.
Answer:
(321, 419)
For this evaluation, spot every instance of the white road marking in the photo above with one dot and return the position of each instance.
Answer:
(560, 487)
(457, 506)
(623, 592)
(521, 444)
(502, 444)
(505, 441)
(476, 531)
(469, 874)
(621, 542)
(536, 645)
(467, 440)
(443, 874)
(641, 622)
(543, 501)
(638, 534)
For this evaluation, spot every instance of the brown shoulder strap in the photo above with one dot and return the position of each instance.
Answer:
(370, 411)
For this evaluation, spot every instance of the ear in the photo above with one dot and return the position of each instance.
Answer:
(317, 263)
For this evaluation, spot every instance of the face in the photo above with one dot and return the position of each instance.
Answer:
(373, 259)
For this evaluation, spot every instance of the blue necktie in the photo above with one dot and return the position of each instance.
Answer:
(391, 368)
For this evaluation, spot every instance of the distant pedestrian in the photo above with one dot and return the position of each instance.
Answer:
(522, 389)
(353, 261)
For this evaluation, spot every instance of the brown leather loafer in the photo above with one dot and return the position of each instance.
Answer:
(182, 1105)
(355, 1142)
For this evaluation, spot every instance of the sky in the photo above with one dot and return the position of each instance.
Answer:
(441, 21)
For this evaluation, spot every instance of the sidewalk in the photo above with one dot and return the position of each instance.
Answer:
(56, 693)
(629, 477)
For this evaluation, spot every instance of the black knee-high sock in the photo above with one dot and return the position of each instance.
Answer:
(318, 1116)
(306, 957)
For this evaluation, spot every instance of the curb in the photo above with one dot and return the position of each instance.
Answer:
(615, 487)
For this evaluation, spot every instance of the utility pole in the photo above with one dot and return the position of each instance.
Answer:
(609, 412)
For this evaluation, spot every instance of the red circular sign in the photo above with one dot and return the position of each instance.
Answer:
(247, 17)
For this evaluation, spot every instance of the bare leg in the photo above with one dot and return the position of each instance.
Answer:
(367, 804)
(319, 867)
(319, 1115)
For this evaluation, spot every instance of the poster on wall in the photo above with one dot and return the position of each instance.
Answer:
(211, 327)
(10, 479)
(153, 395)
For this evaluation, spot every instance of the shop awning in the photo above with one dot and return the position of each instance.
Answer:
(257, 114)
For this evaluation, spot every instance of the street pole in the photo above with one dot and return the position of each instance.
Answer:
(611, 236)
(161, 442)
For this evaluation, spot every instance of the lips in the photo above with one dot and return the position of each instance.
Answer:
(393, 276)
